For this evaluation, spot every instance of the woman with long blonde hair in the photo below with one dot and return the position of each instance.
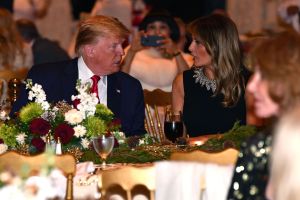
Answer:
(13, 53)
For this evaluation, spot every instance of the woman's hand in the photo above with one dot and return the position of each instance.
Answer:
(168, 46)
(136, 42)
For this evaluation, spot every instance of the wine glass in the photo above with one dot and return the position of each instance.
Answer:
(103, 146)
(173, 125)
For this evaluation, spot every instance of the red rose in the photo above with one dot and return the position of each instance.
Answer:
(114, 125)
(38, 143)
(1, 141)
(64, 132)
(76, 102)
(116, 122)
(39, 126)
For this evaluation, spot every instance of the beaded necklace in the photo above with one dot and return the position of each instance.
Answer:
(203, 80)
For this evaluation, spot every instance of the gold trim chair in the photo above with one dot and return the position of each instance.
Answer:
(15, 162)
(155, 99)
(226, 157)
(128, 178)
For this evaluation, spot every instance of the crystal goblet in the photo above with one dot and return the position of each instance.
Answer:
(103, 145)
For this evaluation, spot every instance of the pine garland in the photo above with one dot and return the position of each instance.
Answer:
(151, 153)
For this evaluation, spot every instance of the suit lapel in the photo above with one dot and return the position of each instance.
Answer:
(114, 94)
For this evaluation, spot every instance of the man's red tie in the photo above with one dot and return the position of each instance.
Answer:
(94, 88)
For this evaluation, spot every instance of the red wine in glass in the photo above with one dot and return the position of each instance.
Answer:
(173, 130)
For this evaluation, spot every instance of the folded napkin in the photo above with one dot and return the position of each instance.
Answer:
(217, 181)
(84, 168)
(85, 183)
(184, 180)
(178, 180)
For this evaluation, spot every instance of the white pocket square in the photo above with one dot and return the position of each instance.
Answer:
(118, 91)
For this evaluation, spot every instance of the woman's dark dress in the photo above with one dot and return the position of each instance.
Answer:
(204, 114)
(251, 171)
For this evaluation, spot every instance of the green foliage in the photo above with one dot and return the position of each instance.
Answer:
(8, 133)
(95, 126)
(30, 111)
(104, 113)
(59, 118)
(151, 153)
(232, 138)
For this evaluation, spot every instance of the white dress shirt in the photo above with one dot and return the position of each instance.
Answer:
(85, 74)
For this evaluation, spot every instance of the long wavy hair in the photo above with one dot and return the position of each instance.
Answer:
(10, 40)
(221, 40)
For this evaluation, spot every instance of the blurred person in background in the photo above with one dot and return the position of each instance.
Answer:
(14, 55)
(275, 87)
(43, 49)
(121, 9)
(30, 9)
(162, 61)
(289, 12)
(284, 180)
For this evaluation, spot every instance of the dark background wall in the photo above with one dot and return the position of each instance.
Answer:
(189, 9)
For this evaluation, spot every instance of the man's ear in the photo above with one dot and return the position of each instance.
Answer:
(89, 50)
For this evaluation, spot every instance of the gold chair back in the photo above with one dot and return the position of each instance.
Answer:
(226, 157)
(156, 99)
(15, 162)
(128, 178)
(5, 77)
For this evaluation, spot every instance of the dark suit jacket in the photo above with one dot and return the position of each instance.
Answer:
(124, 93)
(45, 51)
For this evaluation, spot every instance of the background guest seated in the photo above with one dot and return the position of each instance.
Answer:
(275, 87)
(14, 55)
(99, 44)
(43, 50)
(156, 66)
(211, 94)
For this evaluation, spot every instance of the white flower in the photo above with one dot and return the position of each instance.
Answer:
(73, 116)
(3, 148)
(141, 141)
(38, 94)
(120, 136)
(3, 115)
(21, 138)
(79, 130)
(85, 143)
(43, 138)
(121, 141)
(88, 102)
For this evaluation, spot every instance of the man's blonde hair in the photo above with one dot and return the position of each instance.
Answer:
(99, 26)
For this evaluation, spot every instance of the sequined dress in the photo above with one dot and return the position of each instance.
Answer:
(204, 114)
(251, 171)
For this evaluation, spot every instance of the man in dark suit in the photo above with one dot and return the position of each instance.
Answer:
(43, 49)
(99, 46)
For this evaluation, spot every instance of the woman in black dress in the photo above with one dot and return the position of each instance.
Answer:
(211, 93)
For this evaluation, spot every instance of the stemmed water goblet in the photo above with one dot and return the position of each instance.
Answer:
(103, 145)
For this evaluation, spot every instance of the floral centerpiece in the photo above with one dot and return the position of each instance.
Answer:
(74, 125)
